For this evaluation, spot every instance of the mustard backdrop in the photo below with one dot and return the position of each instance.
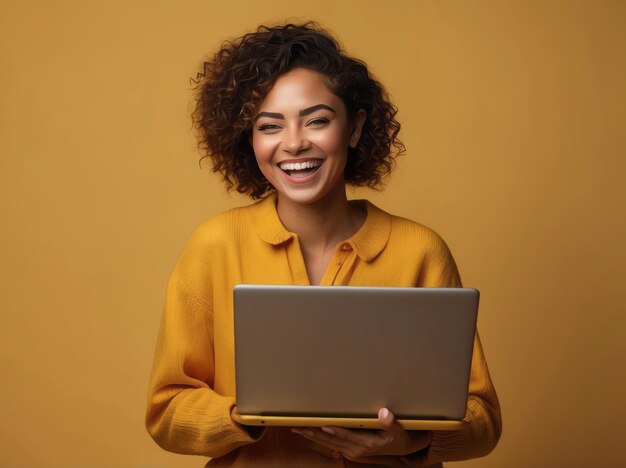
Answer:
(513, 115)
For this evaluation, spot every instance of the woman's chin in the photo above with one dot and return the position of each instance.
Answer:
(311, 194)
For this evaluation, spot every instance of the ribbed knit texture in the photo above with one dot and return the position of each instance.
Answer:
(192, 389)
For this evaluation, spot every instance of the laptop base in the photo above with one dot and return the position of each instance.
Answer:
(355, 423)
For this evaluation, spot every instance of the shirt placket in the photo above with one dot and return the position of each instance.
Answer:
(299, 276)
(337, 273)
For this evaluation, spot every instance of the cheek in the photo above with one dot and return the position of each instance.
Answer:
(263, 150)
(332, 142)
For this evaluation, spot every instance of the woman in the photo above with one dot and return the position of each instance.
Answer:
(287, 117)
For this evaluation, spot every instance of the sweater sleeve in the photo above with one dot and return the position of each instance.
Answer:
(184, 414)
(481, 434)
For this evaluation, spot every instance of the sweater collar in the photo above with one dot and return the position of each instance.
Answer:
(369, 241)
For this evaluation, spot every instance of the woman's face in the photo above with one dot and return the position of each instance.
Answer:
(301, 135)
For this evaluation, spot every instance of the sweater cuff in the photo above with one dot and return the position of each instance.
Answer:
(443, 443)
(190, 427)
(253, 433)
(440, 446)
(238, 434)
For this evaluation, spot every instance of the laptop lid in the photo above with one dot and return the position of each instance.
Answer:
(346, 352)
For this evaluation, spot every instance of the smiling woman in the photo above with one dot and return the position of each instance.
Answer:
(244, 71)
(301, 123)
(285, 115)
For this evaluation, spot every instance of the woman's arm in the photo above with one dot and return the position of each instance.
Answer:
(481, 435)
(184, 414)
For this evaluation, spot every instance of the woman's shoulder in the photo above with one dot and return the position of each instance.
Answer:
(424, 238)
(211, 245)
(412, 227)
(414, 240)
(407, 232)
(225, 220)
(220, 228)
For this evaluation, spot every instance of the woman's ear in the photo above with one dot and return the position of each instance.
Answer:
(357, 127)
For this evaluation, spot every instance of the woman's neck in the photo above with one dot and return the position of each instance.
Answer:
(321, 225)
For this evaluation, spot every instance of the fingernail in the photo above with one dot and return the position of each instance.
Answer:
(297, 431)
(328, 430)
(383, 413)
(308, 433)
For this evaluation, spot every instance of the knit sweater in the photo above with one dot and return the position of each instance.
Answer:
(192, 388)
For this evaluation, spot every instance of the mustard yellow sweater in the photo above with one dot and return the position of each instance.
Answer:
(192, 389)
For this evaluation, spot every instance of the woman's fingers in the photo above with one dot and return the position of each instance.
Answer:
(352, 444)
(381, 460)
(318, 436)
(388, 421)
(386, 418)
(392, 439)
(369, 439)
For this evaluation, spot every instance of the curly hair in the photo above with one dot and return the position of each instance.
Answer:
(236, 79)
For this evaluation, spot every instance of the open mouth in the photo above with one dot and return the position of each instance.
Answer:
(301, 169)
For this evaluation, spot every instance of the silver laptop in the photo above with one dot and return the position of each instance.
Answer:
(315, 355)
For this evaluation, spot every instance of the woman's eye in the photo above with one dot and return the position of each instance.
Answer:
(267, 126)
(318, 122)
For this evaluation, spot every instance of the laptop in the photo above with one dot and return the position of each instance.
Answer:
(333, 356)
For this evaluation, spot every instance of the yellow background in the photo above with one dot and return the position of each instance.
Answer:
(513, 115)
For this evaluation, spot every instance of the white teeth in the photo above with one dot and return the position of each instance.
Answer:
(300, 166)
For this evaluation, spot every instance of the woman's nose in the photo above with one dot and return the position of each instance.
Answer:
(295, 141)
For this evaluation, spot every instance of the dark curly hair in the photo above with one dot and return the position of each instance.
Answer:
(237, 78)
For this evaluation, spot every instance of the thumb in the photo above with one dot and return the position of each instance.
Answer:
(386, 418)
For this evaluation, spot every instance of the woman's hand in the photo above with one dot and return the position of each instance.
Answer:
(369, 446)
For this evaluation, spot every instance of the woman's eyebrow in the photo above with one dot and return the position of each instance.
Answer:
(302, 113)
(271, 115)
(310, 110)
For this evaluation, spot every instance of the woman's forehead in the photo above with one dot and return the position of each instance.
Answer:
(299, 89)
